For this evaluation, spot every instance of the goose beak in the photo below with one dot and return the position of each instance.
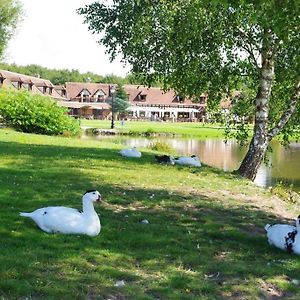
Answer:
(99, 198)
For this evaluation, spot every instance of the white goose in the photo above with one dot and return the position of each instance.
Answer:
(284, 236)
(188, 161)
(60, 219)
(131, 152)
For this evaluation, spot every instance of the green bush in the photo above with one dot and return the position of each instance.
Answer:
(34, 113)
(161, 147)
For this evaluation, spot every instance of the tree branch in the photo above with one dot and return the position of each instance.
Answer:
(248, 47)
(287, 114)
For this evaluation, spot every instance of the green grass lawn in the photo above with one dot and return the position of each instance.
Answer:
(204, 240)
(198, 130)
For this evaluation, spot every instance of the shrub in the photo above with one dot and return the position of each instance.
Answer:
(161, 147)
(34, 113)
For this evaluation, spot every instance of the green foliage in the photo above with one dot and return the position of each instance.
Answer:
(197, 46)
(286, 193)
(121, 102)
(10, 13)
(212, 46)
(161, 147)
(32, 113)
(64, 75)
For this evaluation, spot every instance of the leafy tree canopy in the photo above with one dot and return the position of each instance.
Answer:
(61, 76)
(10, 13)
(212, 46)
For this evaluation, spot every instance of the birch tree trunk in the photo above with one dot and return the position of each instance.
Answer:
(260, 139)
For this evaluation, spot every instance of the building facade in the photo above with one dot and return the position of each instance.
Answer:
(90, 100)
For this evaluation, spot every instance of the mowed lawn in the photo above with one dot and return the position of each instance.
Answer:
(186, 129)
(205, 237)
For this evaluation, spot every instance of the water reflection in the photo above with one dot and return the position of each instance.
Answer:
(282, 164)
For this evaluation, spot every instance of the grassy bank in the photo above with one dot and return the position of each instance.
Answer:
(198, 130)
(204, 240)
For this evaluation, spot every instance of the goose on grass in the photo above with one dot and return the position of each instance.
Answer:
(60, 219)
(131, 152)
(284, 236)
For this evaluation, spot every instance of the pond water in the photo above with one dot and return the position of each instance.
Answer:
(283, 164)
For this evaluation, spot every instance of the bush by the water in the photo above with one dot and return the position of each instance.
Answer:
(34, 113)
(162, 147)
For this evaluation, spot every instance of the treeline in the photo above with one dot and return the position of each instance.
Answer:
(64, 75)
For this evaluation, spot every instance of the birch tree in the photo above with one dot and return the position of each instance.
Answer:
(197, 46)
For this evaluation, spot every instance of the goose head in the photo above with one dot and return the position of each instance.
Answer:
(92, 195)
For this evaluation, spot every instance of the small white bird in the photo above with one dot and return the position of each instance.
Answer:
(188, 161)
(284, 236)
(60, 219)
(131, 152)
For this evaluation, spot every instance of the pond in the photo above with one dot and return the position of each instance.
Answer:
(282, 165)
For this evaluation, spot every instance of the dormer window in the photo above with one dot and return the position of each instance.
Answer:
(17, 84)
(180, 98)
(25, 86)
(142, 97)
(85, 95)
(99, 96)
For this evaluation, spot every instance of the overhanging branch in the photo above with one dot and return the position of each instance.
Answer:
(287, 114)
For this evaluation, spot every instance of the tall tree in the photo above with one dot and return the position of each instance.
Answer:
(195, 46)
(121, 102)
(10, 13)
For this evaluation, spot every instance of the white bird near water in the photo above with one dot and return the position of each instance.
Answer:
(284, 236)
(131, 152)
(60, 219)
(188, 161)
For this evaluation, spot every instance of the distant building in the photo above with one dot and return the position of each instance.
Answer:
(33, 84)
(153, 103)
(90, 100)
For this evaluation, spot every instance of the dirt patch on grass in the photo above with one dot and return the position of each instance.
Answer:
(271, 292)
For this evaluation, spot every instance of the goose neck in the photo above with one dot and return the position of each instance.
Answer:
(87, 206)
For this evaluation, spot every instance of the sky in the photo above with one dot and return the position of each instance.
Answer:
(53, 35)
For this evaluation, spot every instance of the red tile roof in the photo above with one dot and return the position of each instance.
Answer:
(11, 77)
(74, 88)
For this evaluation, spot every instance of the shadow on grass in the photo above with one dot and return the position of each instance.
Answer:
(192, 248)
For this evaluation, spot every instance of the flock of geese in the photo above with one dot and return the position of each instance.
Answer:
(60, 219)
(193, 160)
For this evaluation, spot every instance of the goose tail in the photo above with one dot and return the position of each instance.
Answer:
(267, 227)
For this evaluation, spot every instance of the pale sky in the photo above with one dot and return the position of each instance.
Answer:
(53, 35)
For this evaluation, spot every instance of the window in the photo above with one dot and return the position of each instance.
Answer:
(16, 84)
(85, 96)
(178, 98)
(99, 96)
(25, 86)
(142, 97)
